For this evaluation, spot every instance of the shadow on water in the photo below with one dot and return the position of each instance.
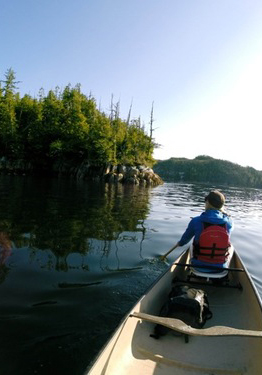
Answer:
(76, 267)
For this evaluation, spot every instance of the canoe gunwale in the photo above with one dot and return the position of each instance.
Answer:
(248, 276)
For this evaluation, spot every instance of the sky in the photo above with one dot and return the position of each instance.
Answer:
(197, 62)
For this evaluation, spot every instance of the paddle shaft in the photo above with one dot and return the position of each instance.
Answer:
(172, 248)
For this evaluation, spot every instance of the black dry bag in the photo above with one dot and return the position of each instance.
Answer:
(187, 304)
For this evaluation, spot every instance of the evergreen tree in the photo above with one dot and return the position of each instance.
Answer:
(29, 118)
(74, 128)
(8, 123)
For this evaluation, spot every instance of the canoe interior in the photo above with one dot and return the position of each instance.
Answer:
(131, 350)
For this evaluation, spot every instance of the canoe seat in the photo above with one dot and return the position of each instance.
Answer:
(208, 275)
(201, 270)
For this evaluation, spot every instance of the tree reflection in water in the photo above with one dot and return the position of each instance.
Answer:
(67, 217)
(5, 251)
(76, 267)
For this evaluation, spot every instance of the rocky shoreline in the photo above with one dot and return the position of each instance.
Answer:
(139, 175)
(112, 174)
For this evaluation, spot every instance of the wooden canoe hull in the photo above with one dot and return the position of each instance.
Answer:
(131, 350)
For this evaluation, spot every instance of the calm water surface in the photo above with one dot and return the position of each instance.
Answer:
(83, 253)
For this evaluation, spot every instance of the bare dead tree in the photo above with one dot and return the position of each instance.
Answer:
(152, 121)
(129, 113)
(117, 110)
(112, 108)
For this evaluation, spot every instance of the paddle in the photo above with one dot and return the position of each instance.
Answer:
(163, 257)
(179, 326)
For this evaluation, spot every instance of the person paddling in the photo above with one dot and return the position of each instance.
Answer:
(211, 232)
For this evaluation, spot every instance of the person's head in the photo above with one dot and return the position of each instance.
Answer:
(215, 200)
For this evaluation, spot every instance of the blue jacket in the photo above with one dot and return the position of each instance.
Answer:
(195, 226)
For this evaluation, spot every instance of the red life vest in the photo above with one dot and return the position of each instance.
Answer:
(213, 244)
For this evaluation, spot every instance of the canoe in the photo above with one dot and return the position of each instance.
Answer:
(229, 343)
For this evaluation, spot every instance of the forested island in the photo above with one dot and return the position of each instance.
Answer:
(64, 132)
(207, 169)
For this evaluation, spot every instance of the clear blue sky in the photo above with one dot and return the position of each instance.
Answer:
(200, 61)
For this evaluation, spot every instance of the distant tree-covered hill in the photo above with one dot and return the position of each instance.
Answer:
(207, 169)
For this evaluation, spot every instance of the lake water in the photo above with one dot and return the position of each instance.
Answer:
(83, 253)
